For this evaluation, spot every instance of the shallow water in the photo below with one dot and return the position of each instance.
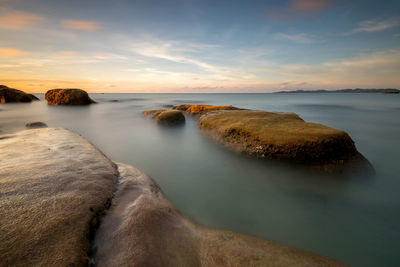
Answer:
(347, 217)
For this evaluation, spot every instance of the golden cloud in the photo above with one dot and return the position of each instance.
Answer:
(19, 20)
(82, 25)
(11, 52)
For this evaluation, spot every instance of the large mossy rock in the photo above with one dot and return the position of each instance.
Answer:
(54, 185)
(166, 117)
(142, 228)
(10, 95)
(68, 97)
(202, 109)
(283, 136)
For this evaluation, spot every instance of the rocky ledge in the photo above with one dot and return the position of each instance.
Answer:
(68, 97)
(55, 186)
(166, 117)
(284, 136)
(202, 109)
(11, 95)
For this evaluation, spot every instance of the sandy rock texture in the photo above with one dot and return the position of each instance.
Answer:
(68, 97)
(283, 136)
(11, 95)
(54, 186)
(142, 228)
(202, 109)
(166, 117)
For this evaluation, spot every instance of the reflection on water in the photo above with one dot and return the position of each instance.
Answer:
(352, 219)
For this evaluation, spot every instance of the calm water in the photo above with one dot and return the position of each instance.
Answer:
(353, 219)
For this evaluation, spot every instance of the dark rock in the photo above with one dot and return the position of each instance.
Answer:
(68, 97)
(36, 124)
(10, 95)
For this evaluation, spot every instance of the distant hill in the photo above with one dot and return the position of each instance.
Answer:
(357, 90)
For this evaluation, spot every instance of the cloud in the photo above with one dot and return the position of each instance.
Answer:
(19, 20)
(300, 38)
(11, 52)
(299, 8)
(69, 53)
(82, 25)
(379, 61)
(311, 5)
(374, 26)
(176, 51)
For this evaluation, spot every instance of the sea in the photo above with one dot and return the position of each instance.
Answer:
(353, 218)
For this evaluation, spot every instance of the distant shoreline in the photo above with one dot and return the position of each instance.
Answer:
(371, 91)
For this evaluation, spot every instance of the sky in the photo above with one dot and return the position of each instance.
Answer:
(193, 46)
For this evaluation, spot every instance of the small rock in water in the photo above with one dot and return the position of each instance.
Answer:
(36, 124)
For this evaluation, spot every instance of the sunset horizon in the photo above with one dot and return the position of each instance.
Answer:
(199, 46)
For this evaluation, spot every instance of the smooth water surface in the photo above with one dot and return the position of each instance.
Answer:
(350, 218)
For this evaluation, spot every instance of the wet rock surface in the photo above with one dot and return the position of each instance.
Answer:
(202, 109)
(166, 117)
(54, 186)
(11, 95)
(283, 136)
(142, 228)
(68, 97)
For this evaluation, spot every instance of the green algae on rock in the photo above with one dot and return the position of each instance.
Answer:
(11, 95)
(282, 136)
(54, 185)
(68, 97)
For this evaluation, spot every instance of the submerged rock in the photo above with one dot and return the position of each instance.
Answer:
(68, 97)
(36, 124)
(283, 136)
(201, 109)
(166, 117)
(54, 187)
(142, 228)
(10, 95)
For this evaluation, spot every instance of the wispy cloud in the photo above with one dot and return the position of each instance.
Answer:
(300, 38)
(11, 52)
(82, 25)
(374, 26)
(177, 51)
(311, 5)
(19, 20)
(299, 8)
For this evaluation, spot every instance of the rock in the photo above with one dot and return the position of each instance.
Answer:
(10, 95)
(201, 109)
(37, 124)
(283, 136)
(54, 187)
(153, 112)
(68, 97)
(142, 228)
(166, 117)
